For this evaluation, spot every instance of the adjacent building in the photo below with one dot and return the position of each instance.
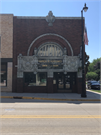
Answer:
(6, 51)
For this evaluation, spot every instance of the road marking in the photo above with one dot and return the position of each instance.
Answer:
(9, 109)
(6, 97)
(50, 116)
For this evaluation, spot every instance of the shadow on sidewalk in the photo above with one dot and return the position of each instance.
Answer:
(90, 95)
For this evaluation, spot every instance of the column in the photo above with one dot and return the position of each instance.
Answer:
(50, 82)
(79, 82)
(20, 85)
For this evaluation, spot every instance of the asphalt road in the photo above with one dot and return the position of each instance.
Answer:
(24, 117)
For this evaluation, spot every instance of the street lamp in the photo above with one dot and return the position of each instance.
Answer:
(83, 93)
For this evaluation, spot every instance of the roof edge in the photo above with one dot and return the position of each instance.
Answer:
(40, 17)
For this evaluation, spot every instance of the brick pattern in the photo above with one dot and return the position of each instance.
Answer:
(6, 33)
(50, 38)
(74, 88)
(79, 85)
(50, 85)
(8, 88)
(20, 85)
(35, 89)
(26, 30)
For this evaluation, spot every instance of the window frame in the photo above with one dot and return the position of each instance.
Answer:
(5, 63)
(49, 45)
(35, 85)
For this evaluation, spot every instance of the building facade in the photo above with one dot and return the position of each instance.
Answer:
(6, 51)
(46, 54)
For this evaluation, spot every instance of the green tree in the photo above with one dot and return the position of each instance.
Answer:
(91, 76)
(91, 65)
(94, 70)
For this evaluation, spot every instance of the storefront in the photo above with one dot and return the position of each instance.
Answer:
(46, 56)
(48, 70)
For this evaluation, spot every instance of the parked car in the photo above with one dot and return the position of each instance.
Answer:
(99, 82)
(93, 85)
(89, 82)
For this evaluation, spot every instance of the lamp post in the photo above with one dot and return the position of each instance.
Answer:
(83, 93)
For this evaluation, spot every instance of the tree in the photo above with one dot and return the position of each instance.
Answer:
(97, 69)
(93, 69)
(91, 76)
(92, 65)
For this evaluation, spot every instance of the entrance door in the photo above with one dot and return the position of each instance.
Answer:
(60, 80)
(64, 82)
(67, 79)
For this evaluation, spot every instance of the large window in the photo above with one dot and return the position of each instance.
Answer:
(39, 79)
(3, 74)
(50, 49)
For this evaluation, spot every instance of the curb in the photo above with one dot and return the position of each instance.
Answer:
(94, 92)
(37, 98)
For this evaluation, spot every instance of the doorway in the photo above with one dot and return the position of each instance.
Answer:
(63, 81)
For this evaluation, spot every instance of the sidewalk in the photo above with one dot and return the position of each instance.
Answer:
(91, 96)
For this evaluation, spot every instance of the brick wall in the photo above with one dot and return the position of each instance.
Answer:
(28, 29)
(6, 34)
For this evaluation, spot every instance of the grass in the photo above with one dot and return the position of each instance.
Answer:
(99, 91)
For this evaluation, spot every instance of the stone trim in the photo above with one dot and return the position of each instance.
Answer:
(48, 34)
(50, 74)
(30, 64)
(47, 43)
(40, 17)
(79, 74)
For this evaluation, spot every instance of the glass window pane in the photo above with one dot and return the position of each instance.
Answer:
(50, 49)
(60, 81)
(3, 74)
(39, 79)
(67, 81)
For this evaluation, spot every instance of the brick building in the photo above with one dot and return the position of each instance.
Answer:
(41, 54)
(6, 51)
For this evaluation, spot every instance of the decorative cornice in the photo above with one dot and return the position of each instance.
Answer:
(41, 17)
(32, 64)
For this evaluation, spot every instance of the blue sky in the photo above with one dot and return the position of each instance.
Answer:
(62, 8)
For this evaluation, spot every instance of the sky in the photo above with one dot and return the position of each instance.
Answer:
(63, 8)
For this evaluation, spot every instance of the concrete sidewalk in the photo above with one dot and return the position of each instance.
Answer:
(91, 96)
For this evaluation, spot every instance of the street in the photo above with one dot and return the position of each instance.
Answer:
(28, 117)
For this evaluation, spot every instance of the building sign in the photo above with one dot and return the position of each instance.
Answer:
(50, 64)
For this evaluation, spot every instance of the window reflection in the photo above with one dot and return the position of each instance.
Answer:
(38, 79)
(60, 80)
(3, 74)
(67, 81)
